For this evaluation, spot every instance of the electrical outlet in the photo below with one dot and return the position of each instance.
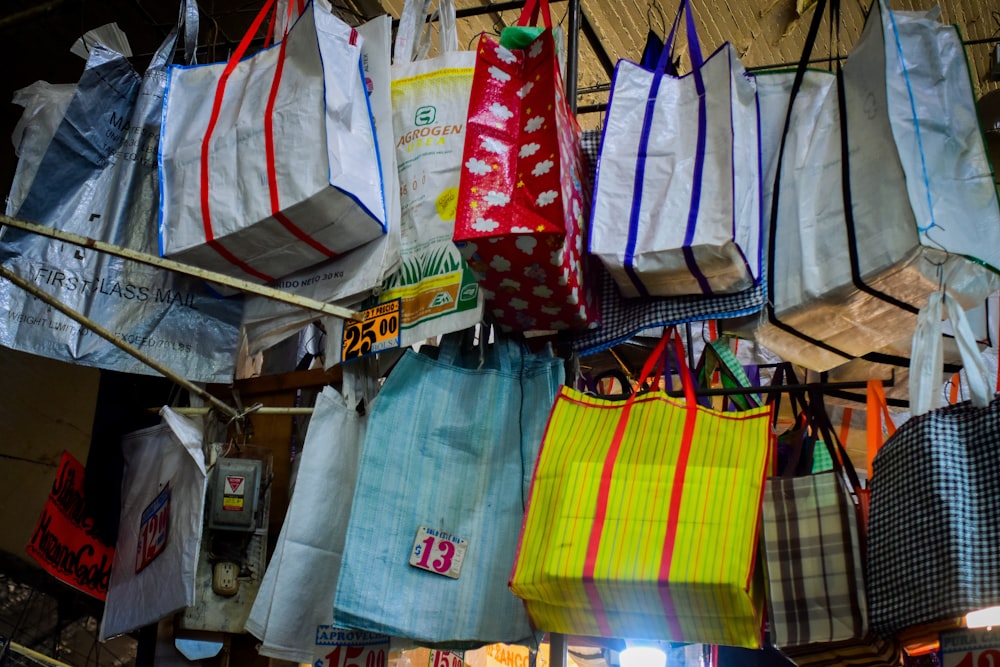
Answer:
(224, 581)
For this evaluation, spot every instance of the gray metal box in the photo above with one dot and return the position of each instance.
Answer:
(234, 492)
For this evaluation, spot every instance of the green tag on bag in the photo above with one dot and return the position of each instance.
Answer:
(519, 36)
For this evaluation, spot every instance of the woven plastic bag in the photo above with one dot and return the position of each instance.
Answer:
(643, 518)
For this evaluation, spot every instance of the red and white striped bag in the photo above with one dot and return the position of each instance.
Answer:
(269, 164)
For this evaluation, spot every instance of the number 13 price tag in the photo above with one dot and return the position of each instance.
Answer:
(438, 552)
(378, 331)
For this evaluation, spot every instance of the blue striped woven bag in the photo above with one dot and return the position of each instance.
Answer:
(450, 446)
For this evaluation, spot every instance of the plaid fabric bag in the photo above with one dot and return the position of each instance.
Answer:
(813, 554)
(934, 536)
(622, 319)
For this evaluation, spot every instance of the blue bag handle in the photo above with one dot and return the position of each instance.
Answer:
(664, 62)
(187, 20)
(694, 45)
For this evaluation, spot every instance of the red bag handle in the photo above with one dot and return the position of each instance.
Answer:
(654, 362)
(597, 528)
(532, 8)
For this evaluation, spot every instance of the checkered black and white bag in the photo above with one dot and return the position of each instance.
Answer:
(934, 534)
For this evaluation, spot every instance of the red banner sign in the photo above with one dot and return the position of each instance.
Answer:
(63, 543)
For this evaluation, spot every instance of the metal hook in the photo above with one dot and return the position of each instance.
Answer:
(476, 36)
(939, 265)
(704, 336)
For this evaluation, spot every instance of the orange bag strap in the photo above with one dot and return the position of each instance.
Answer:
(955, 387)
(878, 417)
(845, 424)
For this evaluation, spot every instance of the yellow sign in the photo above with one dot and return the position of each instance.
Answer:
(378, 331)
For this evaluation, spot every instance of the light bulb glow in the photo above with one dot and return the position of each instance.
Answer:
(983, 618)
(643, 656)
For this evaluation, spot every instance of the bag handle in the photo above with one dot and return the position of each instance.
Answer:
(824, 429)
(290, 15)
(530, 13)
(784, 374)
(412, 35)
(654, 360)
(188, 22)
(716, 355)
(694, 45)
(926, 356)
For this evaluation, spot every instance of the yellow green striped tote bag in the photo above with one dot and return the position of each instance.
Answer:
(643, 517)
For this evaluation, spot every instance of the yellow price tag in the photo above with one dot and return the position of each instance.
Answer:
(379, 331)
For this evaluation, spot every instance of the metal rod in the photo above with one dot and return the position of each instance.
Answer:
(597, 45)
(493, 7)
(186, 269)
(250, 411)
(592, 108)
(558, 650)
(572, 53)
(490, 8)
(85, 321)
(825, 387)
(18, 17)
(20, 649)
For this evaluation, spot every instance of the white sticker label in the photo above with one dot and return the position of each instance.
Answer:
(445, 658)
(438, 552)
(970, 648)
(338, 647)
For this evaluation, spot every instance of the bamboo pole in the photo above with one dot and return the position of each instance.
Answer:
(85, 321)
(186, 269)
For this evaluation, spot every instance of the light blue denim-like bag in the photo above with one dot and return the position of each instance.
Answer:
(450, 446)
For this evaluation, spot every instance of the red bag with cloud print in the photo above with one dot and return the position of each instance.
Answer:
(523, 197)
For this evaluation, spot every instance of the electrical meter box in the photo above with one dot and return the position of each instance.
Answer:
(235, 488)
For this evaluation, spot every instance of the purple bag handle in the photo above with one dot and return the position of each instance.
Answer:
(665, 60)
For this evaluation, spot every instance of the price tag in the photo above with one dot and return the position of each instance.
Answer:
(438, 552)
(154, 527)
(446, 658)
(338, 647)
(379, 331)
(970, 648)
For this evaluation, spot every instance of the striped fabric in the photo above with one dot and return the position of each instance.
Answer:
(448, 446)
(815, 579)
(642, 521)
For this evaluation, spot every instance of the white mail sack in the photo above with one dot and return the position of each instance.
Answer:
(270, 164)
